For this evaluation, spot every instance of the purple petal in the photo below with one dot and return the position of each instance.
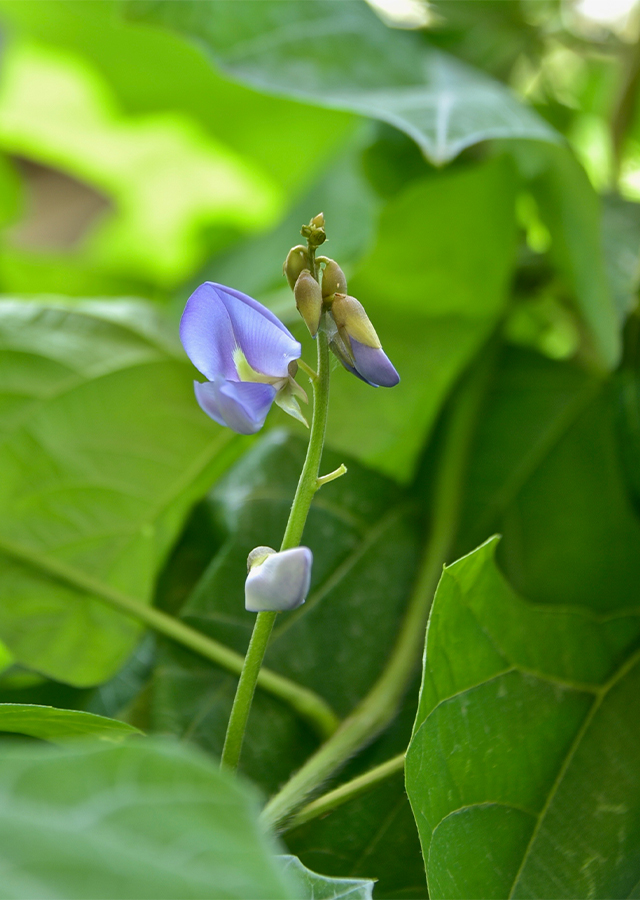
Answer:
(217, 320)
(281, 582)
(240, 405)
(374, 365)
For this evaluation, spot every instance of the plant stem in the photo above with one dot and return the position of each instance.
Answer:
(307, 486)
(379, 707)
(346, 792)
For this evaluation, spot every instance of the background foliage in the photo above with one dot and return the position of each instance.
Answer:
(478, 164)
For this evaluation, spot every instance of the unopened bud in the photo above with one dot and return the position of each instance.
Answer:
(314, 231)
(297, 260)
(333, 280)
(352, 321)
(308, 300)
(280, 582)
(258, 556)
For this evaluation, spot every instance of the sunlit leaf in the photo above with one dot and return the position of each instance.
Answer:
(102, 450)
(339, 55)
(523, 768)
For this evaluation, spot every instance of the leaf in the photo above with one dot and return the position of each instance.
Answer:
(571, 211)
(61, 725)
(545, 471)
(150, 71)
(523, 769)
(435, 284)
(339, 55)
(141, 820)
(102, 451)
(360, 530)
(320, 887)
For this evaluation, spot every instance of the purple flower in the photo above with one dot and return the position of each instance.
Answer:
(277, 581)
(246, 354)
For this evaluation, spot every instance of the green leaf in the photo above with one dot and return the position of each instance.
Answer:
(571, 211)
(102, 451)
(339, 55)
(523, 771)
(141, 820)
(320, 887)
(434, 284)
(61, 725)
(365, 549)
(546, 472)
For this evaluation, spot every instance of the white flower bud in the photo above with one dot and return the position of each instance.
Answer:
(278, 581)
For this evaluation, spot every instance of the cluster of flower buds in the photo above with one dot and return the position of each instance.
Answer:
(323, 303)
(277, 581)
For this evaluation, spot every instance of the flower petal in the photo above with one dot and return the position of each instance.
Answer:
(281, 582)
(374, 365)
(217, 320)
(240, 405)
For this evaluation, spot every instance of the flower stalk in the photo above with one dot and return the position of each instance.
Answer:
(308, 484)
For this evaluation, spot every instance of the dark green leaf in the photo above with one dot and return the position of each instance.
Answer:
(523, 771)
(320, 887)
(545, 472)
(61, 725)
(339, 55)
(102, 451)
(141, 821)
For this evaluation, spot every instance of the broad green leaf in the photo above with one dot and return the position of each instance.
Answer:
(102, 451)
(61, 725)
(546, 472)
(434, 284)
(361, 533)
(523, 771)
(571, 211)
(320, 887)
(339, 55)
(144, 820)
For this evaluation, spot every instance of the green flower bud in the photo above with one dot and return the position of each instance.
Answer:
(308, 300)
(314, 231)
(297, 260)
(333, 280)
(352, 321)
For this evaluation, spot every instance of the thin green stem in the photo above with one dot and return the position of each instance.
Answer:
(309, 705)
(307, 486)
(344, 793)
(380, 705)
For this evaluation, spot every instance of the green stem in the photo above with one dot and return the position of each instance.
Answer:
(346, 792)
(309, 705)
(379, 707)
(307, 486)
